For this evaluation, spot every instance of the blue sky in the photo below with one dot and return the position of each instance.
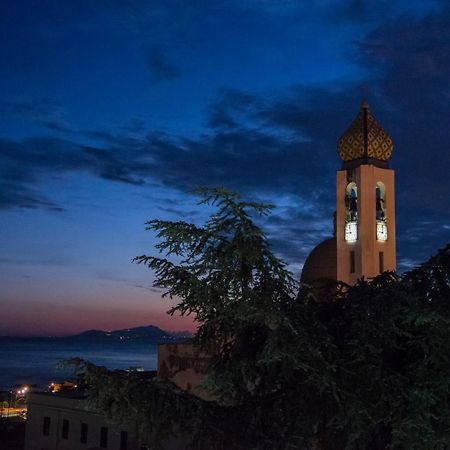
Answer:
(112, 111)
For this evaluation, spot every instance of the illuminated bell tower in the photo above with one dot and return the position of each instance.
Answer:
(365, 201)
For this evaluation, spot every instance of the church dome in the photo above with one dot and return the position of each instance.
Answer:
(320, 266)
(365, 139)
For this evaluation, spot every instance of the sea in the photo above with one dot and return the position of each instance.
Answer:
(36, 361)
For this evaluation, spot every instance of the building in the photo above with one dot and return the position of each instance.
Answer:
(61, 421)
(363, 244)
(185, 366)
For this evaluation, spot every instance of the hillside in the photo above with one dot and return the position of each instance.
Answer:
(144, 333)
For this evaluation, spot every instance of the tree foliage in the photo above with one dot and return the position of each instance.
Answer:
(367, 370)
(226, 275)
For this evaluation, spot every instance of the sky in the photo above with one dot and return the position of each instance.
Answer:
(111, 112)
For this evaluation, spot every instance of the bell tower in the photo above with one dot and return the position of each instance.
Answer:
(365, 201)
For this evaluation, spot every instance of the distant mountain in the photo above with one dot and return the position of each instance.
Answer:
(148, 333)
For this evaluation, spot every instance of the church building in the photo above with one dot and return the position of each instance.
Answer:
(363, 244)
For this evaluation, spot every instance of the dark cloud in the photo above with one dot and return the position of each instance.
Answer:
(178, 212)
(17, 195)
(24, 165)
(274, 149)
(256, 155)
(243, 159)
(231, 109)
(366, 13)
(46, 112)
(284, 143)
(413, 68)
(160, 66)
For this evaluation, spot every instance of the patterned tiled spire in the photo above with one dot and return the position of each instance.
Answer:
(365, 139)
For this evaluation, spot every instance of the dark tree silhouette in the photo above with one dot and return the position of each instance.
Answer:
(368, 369)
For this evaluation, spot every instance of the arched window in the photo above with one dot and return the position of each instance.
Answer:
(380, 201)
(351, 202)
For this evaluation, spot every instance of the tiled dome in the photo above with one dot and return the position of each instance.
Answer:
(365, 138)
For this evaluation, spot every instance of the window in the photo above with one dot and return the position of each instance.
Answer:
(65, 429)
(381, 261)
(352, 262)
(351, 202)
(104, 437)
(46, 426)
(123, 440)
(84, 433)
(380, 201)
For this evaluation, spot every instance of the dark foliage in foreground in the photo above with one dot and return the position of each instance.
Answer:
(369, 370)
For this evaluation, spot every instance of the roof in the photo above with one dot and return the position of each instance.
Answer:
(365, 139)
(321, 263)
(320, 271)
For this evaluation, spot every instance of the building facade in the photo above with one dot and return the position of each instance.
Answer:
(185, 366)
(62, 421)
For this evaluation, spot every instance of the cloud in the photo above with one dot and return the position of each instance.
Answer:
(160, 66)
(275, 144)
(230, 109)
(255, 156)
(25, 165)
(412, 61)
(178, 212)
(270, 149)
(366, 13)
(46, 112)
(17, 195)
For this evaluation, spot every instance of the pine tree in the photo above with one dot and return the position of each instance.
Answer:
(368, 369)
